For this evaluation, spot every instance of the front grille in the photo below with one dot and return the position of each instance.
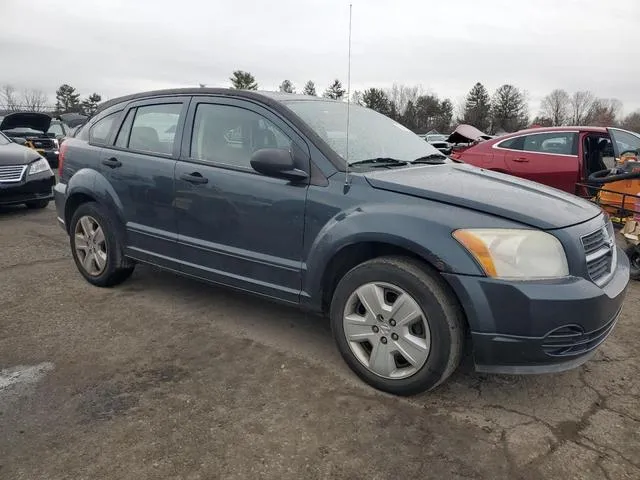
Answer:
(599, 250)
(572, 340)
(11, 173)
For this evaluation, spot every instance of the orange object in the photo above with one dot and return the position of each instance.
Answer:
(477, 249)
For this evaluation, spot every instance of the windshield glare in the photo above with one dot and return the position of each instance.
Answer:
(371, 134)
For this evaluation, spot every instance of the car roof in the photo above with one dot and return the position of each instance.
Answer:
(232, 92)
(555, 129)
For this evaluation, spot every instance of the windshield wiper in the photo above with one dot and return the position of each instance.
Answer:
(432, 159)
(381, 162)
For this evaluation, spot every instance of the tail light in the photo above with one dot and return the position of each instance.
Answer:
(63, 150)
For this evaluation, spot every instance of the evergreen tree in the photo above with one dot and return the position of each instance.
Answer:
(509, 109)
(67, 99)
(310, 89)
(90, 104)
(241, 80)
(287, 87)
(376, 99)
(335, 90)
(477, 108)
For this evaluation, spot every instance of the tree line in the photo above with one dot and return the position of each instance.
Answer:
(504, 111)
(32, 100)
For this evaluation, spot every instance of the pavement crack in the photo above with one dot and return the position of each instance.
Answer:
(35, 262)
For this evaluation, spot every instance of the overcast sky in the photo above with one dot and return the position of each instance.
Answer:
(116, 47)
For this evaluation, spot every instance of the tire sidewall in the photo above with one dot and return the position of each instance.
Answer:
(435, 367)
(112, 245)
(633, 251)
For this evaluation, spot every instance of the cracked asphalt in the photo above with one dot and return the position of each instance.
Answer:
(164, 377)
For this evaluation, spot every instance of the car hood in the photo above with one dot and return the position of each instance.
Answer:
(14, 154)
(495, 193)
(34, 120)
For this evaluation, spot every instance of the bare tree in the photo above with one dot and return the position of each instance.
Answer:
(8, 98)
(555, 107)
(581, 107)
(34, 100)
(632, 122)
(604, 112)
(400, 96)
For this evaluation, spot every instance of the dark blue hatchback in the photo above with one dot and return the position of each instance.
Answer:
(410, 254)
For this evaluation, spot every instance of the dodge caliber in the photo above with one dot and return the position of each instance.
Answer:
(413, 257)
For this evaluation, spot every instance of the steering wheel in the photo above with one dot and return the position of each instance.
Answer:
(634, 152)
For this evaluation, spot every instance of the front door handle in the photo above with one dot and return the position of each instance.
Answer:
(521, 160)
(112, 162)
(195, 178)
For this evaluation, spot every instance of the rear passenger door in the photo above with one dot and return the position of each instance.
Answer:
(236, 226)
(139, 165)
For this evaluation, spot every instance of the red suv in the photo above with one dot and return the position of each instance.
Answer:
(557, 156)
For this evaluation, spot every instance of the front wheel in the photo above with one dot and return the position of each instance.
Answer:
(95, 247)
(633, 252)
(397, 325)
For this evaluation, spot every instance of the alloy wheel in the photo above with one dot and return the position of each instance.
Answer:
(90, 245)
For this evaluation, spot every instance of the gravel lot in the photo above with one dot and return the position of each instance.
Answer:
(165, 377)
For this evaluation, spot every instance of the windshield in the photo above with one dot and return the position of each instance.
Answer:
(371, 134)
(56, 128)
(4, 140)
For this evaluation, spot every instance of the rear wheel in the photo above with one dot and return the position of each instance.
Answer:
(633, 252)
(397, 325)
(95, 247)
(37, 204)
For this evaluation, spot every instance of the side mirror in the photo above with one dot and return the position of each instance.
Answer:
(19, 140)
(277, 162)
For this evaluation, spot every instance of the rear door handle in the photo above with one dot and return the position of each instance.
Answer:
(521, 160)
(112, 162)
(195, 178)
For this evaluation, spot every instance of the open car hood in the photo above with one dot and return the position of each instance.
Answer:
(34, 120)
(467, 133)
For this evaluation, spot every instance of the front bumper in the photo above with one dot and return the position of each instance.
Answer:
(32, 188)
(539, 326)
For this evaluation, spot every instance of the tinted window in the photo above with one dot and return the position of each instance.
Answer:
(371, 134)
(557, 143)
(100, 130)
(513, 143)
(230, 135)
(122, 139)
(154, 128)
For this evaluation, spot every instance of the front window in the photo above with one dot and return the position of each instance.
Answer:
(625, 141)
(371, 134)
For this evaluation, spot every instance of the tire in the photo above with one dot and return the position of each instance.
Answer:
(441, 325)
(37, 204)
(108, 265)
(633, 252)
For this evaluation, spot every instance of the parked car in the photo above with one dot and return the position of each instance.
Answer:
(25, 177)
(440, 142)
(41, 130)
(560, 157)
(405, 250)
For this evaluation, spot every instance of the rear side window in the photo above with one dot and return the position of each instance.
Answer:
(154, 128)
(100, 130)
(513, 143)
(556, 143)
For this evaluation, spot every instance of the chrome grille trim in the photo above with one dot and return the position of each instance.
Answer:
(12, 173)
(600, 254)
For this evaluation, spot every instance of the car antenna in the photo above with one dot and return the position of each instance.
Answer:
(346, 169)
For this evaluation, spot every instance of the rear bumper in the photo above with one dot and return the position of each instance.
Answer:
(36, 188)
(539, 327)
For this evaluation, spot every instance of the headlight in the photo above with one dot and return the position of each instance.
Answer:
(39, 166)
(515, 254)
